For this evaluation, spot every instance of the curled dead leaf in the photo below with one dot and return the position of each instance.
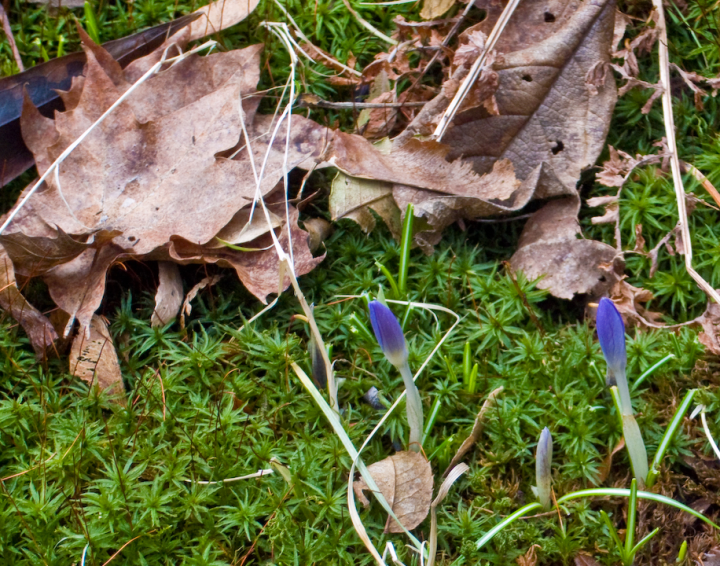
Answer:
(93, 358)
(550, 248)
(406, 481)
(169, 296)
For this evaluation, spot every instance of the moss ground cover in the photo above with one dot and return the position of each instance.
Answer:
(85, 476)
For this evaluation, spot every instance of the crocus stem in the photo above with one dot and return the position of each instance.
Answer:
(636, 448)
(413, 404)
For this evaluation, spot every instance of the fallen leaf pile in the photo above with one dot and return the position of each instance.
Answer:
(168, 176)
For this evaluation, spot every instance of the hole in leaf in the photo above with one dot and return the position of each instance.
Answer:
(549, 16)
(557, 148)
(131, 238)
(527, 78)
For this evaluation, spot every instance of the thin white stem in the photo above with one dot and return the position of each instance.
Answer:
(475, 70)
(413, 404)
(664, 62)
(257, 474)
(710, 438)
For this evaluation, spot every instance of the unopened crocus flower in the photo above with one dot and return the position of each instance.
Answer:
(390, 336)
(389, 333)
(611, 333)
(543, 469)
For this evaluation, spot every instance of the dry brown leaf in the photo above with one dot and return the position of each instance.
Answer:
(353, 198)
(186, 306)
(530, 558)
(220, 15)
(169, 296)
(93, 358)
(548, 119)
(433, 9)
(710, 321)
(125, 190)
(612, 209)
(39, 329)
(477, 429)
(406, 481)
(61, 3)
(318, 230)
(585, 560)
(604, 470)
(627, 299)
(549, 246)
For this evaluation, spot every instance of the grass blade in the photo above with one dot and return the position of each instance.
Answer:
(510, 519)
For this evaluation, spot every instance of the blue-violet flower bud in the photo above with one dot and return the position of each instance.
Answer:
(611, 333)
(389, 334)
(543, 468)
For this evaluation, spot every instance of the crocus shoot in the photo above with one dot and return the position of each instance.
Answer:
(611, 333)
(543, 469)
(390, 336)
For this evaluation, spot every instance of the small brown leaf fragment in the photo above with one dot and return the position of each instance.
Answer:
(318, 230)
(604, 470)
(39, 329)
(477, 429)
(612, 209)
(220, 15)
(710, 322)
(628, 299)
(169, 296)
(530, 558)
(585, 560)
(549, 248)
(639, 240)
(186, 306)
(353, 198)
(406, 481)
(33, 256)
(435, 8)
(94, 360)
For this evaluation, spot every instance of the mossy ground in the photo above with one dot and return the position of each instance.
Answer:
(213, 402)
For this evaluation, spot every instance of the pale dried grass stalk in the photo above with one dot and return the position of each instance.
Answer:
(11, 38)
(664, 63)
(475, 70)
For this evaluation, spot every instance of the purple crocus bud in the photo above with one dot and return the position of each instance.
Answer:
(389, 334)
(611, 333)
(543, 468)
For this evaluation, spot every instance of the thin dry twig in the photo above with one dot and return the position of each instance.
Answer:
(477, 429)
(11, 38)
(664, 62)
(475, 70)
(702, 179)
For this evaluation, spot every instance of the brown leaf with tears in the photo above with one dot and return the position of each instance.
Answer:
(585, 560)
(406, 481)
(549, 247)
(94, 360)
(38, 328)
(169, 296)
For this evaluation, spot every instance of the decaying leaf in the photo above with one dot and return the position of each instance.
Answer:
(628, 299)
(710, 335)
(169, 296)
(186, 306)
(530, 558)
(93, 358)
(353, 198)
(585, 560)
(318, 230)
(39, 329)
(124, 192)
(477, 429)
(220, 15)
(406, 481)
(549, 247)
(604, 470)
(435, 8)
(612, 209)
